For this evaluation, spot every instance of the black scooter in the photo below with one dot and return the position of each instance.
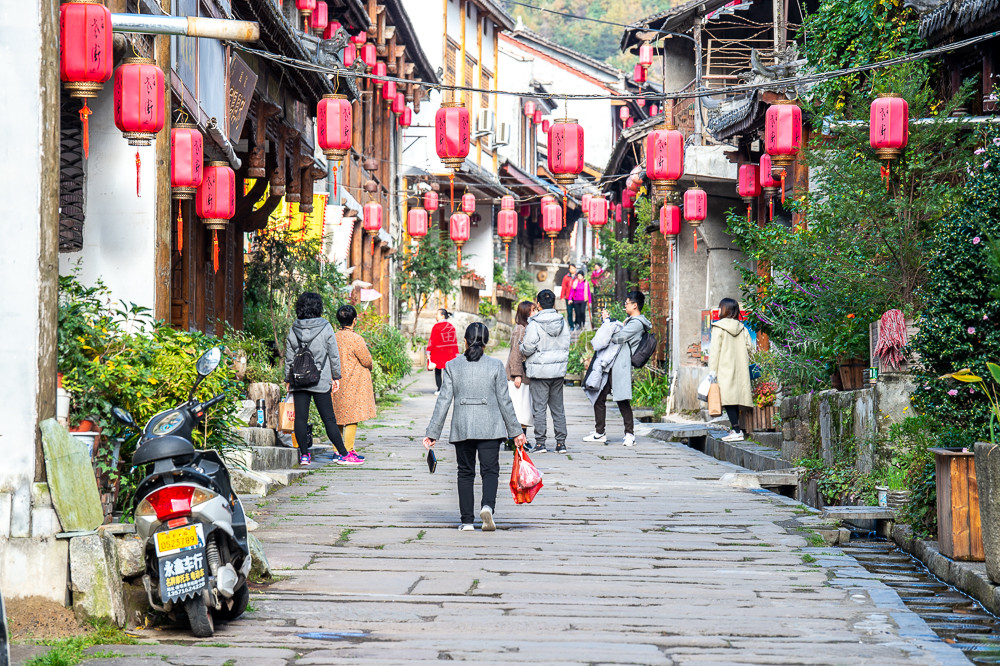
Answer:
(193, 524)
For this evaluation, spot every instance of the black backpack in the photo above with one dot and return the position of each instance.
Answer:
(304, 373)
(644, 350)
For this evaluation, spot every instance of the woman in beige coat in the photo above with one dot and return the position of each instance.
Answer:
(355, 401)
(729, 363)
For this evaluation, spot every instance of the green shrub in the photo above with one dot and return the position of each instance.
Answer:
(580, 354)
(388, 349)
(488, 309)
(650, 388)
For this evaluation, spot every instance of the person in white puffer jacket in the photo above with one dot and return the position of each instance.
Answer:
(546, 351)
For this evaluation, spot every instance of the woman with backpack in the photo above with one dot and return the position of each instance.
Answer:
(442, 346)
(312, 373)
(618, 381)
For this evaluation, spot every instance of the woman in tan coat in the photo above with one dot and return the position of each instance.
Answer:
(355, 401)
(729, 363)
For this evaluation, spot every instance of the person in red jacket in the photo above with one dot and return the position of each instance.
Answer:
(566, 293)
(442, 347)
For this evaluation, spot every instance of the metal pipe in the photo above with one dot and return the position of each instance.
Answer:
(224, 144)
(190, 26)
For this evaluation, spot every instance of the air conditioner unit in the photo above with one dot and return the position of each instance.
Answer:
(502, 136)
(485, 123)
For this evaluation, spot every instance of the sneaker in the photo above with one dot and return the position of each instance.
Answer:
(487, 515)
(596, 437)
(733, 436)
(629, 439)
(437, 392)
(355, 452)
(466, 527)
(539, 448)
(350, 459)
(561, 448)
(304, 460)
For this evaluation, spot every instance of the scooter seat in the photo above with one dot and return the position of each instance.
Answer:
(162, 448)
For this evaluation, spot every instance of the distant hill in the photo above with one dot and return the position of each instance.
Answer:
(597, 40)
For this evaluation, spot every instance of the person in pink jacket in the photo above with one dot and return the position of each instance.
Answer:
(581, 298)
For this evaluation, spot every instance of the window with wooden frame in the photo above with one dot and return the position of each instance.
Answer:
(469, 79)
(485, 82)
(451, 63)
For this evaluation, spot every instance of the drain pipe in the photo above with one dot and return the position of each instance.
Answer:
(224, 144)
(190, 26)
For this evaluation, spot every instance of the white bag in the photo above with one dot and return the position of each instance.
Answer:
(521, 398)
(703, 388)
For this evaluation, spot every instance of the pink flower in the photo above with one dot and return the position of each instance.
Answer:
(927, 387)
(953, 392)
(970, 330)
(986, 164)
(996, 141)
(979, 151)
(972, 390)
(977, 240)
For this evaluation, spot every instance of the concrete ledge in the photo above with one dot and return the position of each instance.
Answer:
(855, 513)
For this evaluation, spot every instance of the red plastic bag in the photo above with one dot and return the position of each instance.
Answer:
(525, 479)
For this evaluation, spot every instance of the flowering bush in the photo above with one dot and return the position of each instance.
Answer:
(765, 393)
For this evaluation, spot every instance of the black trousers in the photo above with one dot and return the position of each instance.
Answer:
(437, 377)
(570, 313)
(601, 410)
(733, 412)
(324, 405)
(580, 312)
(489, 468)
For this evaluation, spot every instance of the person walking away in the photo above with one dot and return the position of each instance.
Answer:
(313, 335)
(355, 401)
(566, 293)
(517, 381)
(619, 375)
(729, 364)
(546, 351)
(582, 297)
(481, 418)
(442, 346)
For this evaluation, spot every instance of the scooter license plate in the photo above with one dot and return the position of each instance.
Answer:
(179, 540)
(182, 574)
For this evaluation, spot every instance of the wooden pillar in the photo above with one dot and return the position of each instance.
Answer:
(161, 237)
(460, 60)
(763, 267)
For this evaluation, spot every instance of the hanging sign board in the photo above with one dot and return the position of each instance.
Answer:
(242, 81)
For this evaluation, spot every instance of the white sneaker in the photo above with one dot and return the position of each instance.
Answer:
(487, 515)
(437, 392)
(733, 436)
(629, 439)
(595, 437)
(466, 527)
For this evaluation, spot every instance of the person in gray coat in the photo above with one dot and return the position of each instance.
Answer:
(483, 416)
(312, 331)
(546, 351)
(619, 376)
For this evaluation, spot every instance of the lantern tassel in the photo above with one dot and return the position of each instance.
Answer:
(695, 232)
(564, 208)
(138, 167)
(215, 250)
(459, 256)
(770, 208)
(782, 187)
(552, 247)
(180, 229)
(85, 112)
(451, 185)
(506, 253)
(748, 214)
(336, 192)
(884, 172)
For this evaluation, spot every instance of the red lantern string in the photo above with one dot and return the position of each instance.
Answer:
(85, 112)
(180, 230)
(770, 208)
(748, 213)
(451, 184)
(506, 252)
(782, 190)
(564, 209)
(215, 250)
(459, 256)
(695, 231)
(138, 165)
(884, 172)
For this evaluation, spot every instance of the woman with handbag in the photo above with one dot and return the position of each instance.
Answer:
(442, 346)
(481, 419)
(729, 364)
(517, 380)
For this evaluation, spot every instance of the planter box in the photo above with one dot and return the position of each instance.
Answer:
(852, 374)
(759, 419)
(473, 283)
(506, 292)
(960, 535)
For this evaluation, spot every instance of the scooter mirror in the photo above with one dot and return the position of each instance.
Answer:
(123, 416)
(209, 361)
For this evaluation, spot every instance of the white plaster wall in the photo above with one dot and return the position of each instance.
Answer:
(477, 254)
(118, 234)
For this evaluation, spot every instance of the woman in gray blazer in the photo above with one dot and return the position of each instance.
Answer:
(482, 418)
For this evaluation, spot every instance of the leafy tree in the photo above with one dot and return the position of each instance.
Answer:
(429, 267)
(630, 254)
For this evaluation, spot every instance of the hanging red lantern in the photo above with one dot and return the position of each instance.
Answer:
(529, 109)
(306, 8)
(889, 129)
(406, 117)
(398, 103)
(506, 229)
(331, 30)
(664, 159)
(565, 146)
(653, 110)
(783, 133)
(639, 74)
(748, 185)
(546, 125)
(416, 222)
(371, 221)
(350, 54)
(369, 54)
(598, 213)
(389, 91)
(769, 184)
(334, 126)
(86, 58)
(633, 183)
(695, 209)
(451, 138)
(618, 213)
(469, 203)
(507, 202)
(459, 228)
(538, 116)
(379, 70)
(640, 103)
(552, 225)
(585, 203)
(623, 113)
(646, 55)
(359, 38)
(187, 155)
(139, 102)
(670, 225)
(320, 18)
(628, 199)
(629, 123)
(430, 201)
(215, 202)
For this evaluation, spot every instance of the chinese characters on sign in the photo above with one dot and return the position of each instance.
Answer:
(181, 574)
(242, 81)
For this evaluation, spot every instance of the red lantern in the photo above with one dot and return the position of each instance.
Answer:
(565, 150)
(306, 8)
(507, 202)
(139, 105)
(653, 110)
(334, 126)
(459, 228)
(451, 134)
(552, 224)
(670, 220)
(633, 183)
(628, 199)
(187, 153)
(369, 55)
(748, 184)
(538, 116)
(469, 203)
(380, 70)
(769, 184)
(416, 222)
(546, 125)
(618, 213)
(350, 54)
(640, 103)
(360, 38)
(529, 109)
(695, 209)
(372, 217)
(889, 129)
(547, 200)
(86, 59)
(623, 113)
(506, 229)
(598, 214)
(398, 103)
(585, 203)
(331, 30)
(320, 18)
(389, 91)
(639, 74)
(430, 201)
(406, 117)
(629, 123)
(215, 202)
(646, 55)
(665, 158)
(783, 132)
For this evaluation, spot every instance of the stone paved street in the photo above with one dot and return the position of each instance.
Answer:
(630, 556)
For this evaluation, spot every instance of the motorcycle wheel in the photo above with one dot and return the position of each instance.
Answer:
(240, 600)
(200, 617)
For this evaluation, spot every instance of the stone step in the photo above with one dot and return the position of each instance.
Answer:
(249, 482)
(852, 513)
(285, 476)
(264, 458)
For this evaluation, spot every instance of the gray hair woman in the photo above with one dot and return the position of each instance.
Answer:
(483, 416)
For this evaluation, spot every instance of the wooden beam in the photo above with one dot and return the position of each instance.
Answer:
(293, 190)
(278, 175)
(162, 236)
(310, 175)
(258, 167)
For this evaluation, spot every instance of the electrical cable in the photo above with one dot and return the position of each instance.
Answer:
(594, 20)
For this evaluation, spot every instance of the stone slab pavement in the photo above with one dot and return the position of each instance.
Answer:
(627, 556)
